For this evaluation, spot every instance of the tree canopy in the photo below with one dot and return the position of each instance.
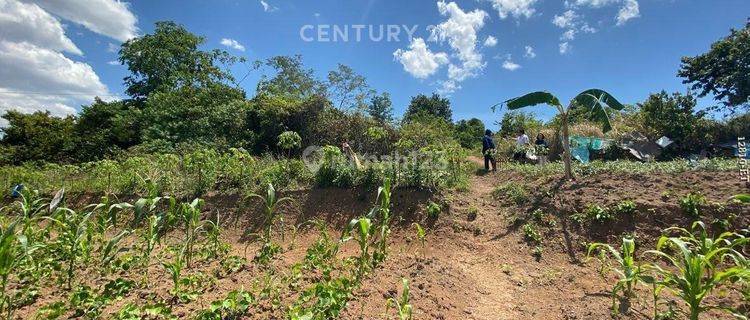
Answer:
(435, 105)
(724, 71)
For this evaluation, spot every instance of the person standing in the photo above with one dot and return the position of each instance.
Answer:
(541, 140)
(488, 147)
(521, 142)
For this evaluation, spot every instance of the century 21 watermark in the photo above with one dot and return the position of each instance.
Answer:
(742, 161)
(357, 33)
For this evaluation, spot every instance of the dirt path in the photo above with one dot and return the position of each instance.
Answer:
(504, 280)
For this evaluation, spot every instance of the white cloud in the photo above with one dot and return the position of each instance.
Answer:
(570, 34)
(566, 20)
(515, 8)
(594, 3)
(267, 7)
(529, 52)
(564, 47)
(113, 48)
(460, 31)
(111, 18)
(419, 61)
(232, 44)
(113, 63)
(490, 41)
(629, 11)
(34, 78)
(27, 22)
(573, 24)
(509, 65)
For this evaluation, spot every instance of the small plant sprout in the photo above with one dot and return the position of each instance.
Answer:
(692, 203)
(270, 202)
(403, 306)
(433, 210)
(421, 235)
(628, 271)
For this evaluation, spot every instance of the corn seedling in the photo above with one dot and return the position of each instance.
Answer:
(695, 266)
(403, 307)
(362, 227)
(174, 268)
(191, 213)
(384, 208)
(150, 237)
(421, 235)
(110, 250)
(628, 271)
(74, 239)
(270, 201)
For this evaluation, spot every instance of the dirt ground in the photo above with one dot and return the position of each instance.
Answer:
(474, 266)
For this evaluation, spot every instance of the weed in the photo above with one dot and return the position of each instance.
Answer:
(531, 234)
(691, 204)
(433, 210)
(625, 207)
(513, 191)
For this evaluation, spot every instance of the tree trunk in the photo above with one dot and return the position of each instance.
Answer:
(566, 146)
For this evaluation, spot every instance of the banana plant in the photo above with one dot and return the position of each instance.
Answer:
(595, 101)
(270, 201)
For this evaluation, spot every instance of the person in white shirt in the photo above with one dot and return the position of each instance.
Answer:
(521, 141)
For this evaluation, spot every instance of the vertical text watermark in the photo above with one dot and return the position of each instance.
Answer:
(742, 161)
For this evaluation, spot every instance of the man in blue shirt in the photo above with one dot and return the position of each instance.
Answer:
(488, 148)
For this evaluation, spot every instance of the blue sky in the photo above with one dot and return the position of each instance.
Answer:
(630, 57)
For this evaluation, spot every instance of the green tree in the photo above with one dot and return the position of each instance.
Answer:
(513, 121)
(436, 106)
(380, 108)
(37, 136)
(596, 101)
(292, 79)
(213, 116)
(347, 89)
(469, 132)
(169, 59)
(103, 128)
(723, 71)
(672, 116)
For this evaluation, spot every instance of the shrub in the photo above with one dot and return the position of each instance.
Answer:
(433, 210)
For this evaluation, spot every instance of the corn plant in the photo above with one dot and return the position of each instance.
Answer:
(74, 239)
(629, 273)
(696, 265)
(213, 231)
(174, 268)
(191, 217)
(111, 249)
(421, 235)
(403, 307)
(270, 201)
(150, 237)
(384, 210)
(362, 227)
(9, 259)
